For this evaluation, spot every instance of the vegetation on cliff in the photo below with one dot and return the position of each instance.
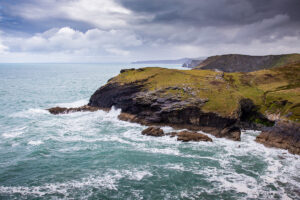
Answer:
(219, 103)
(275, 91)
(246, 63)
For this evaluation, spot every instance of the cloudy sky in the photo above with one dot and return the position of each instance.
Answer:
(129, 30)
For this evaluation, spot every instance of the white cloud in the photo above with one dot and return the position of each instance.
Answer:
(69, 40)
(100, 13)
(3, 48)
(69, 45)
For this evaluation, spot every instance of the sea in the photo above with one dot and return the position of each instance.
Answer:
(93, 155)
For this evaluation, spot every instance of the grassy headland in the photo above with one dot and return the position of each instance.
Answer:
(275, 91)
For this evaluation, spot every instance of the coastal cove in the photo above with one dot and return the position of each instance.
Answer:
(96, 155)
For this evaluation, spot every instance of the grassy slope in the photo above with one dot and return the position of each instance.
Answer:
(289, 58)
(284, 59)
(275, 91)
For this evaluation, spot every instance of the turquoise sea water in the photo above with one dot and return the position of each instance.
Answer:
(96, 156)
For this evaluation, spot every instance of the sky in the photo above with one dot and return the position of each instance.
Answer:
(131, 30)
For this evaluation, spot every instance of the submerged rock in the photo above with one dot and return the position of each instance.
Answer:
(184, 136)
(284, 135)
(153, 131)
(187, 136)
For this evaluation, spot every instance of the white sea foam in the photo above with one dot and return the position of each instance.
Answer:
(100, 126)
(14, 133)
(30, 113)
(107, 181)
(177, 167)
(226, 178)
(35, 142)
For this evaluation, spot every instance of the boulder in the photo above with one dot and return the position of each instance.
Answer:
(233, 133)
(284, 135)
(172, 134)
(153, 131)
(187, 136)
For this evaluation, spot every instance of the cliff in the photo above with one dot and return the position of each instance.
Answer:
(192, 63)
(246, 63)
(215, 102)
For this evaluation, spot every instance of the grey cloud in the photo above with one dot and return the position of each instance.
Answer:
(154, 29)
(214, 12)
(201, 22)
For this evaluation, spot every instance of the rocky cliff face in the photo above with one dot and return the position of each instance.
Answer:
(246, 63)
(215, 102)
(154, 107)
(192, 63)
(284, 135)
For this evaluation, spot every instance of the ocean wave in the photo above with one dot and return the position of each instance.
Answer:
(30, 113)
(14, 133)
(107, 181)
(35, 142)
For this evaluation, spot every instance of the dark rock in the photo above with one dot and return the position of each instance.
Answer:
(172, 134)
(149, 107)
(153, 131)
(126, 70)
(57, 110)
(249, 116)
(187, 136)
(60, 110)
(233, 133)
(284, 135)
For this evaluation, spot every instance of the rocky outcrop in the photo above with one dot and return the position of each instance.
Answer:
(187, 136)
(184, 136)
(148, 108)
(192, 63)
(246, 63)
(153, 131)
(61, 110)
(210, 101)
(284, 135)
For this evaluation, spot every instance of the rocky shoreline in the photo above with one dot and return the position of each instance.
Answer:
(149, 108)
(284, 135)
(164, 107)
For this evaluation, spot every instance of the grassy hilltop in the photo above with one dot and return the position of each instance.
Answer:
(246, 63)
(275, 91)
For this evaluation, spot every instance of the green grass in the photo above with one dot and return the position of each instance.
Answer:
(274, 91)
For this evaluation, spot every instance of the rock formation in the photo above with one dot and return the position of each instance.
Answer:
(214, 102)
(153, 131)
(60, 110)
(187, 136)
(284, 135)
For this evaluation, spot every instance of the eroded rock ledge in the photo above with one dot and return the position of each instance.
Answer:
(61, 110)
(284, 135)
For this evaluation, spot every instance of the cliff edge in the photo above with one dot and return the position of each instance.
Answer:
(246, 63)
